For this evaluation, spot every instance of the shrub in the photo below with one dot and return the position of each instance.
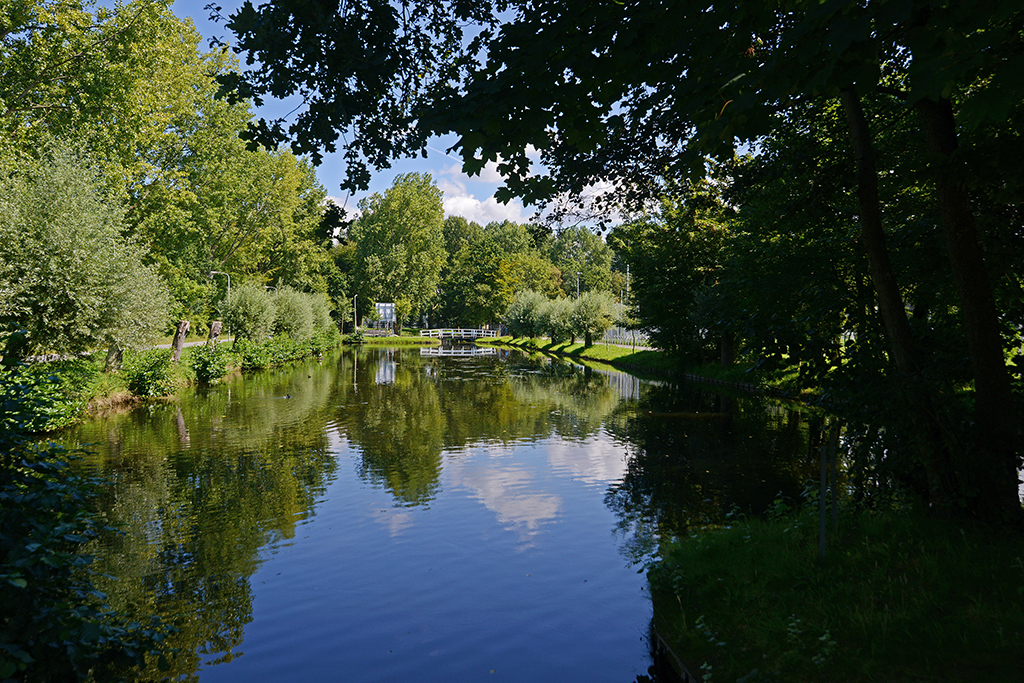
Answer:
(293, 314)
(250, 312)
(148, 373)
(523, 316)
(209, 364)
(320, 308)
(593, 313)
(556, 317)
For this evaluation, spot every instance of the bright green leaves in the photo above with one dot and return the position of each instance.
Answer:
(70, 280)
(400, 243)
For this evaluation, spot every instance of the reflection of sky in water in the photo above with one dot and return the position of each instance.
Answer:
(509, 493)
(595, 461)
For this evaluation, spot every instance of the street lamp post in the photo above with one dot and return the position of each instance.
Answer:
(355, 317)
(227, 300)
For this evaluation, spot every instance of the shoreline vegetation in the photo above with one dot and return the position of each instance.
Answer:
(900, 595)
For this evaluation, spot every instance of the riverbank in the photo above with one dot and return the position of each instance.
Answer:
(900, 596)
(643, 360)
(64, 392)
(624, 357)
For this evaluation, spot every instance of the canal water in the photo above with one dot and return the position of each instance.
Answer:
(397, 514)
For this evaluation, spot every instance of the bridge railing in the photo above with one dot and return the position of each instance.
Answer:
(458, 332)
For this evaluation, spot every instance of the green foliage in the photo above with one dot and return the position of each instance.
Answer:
(577, 250)
(400, 243)
(486, 274)
(556, 316)
(673, 257)
(69, 279)
(293, 314)
(283, 348)
(56, 625)
(209, 364)
(356, 337)
(250, 312)
(43, 397)
(523, 317)
(149, 373)
(752, 599)
(593, 313)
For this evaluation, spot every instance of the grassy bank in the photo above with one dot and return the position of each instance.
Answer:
(644, 360)
(401, 341)
(61, 393)
(899, 597)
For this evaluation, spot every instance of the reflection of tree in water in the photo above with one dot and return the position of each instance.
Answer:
(404, 410)
(395, 416)
(197, 511)
(695, 455)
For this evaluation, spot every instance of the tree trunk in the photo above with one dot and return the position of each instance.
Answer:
(924, 428)
(991, 477)
(215, 328)
(114, 357)
(890, 300)
(727, 347)
(179, 340)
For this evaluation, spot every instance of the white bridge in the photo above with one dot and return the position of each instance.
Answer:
(457, 333)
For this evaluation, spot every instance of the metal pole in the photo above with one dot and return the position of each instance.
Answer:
(355, 318)
(578, 273)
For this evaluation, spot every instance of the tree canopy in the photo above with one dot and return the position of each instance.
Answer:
(400, 243)
(640, 96)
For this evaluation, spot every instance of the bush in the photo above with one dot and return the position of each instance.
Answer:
(209, 364)
(557, 319)
(320, 308)
(593, 313)
(293, 314)
(250, 312)
(523, 316)
(148, 373)
(46, 396)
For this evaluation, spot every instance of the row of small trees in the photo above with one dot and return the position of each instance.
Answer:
(531, 314)
(255, 313)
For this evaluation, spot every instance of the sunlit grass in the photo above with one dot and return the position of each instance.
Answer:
(619, 356)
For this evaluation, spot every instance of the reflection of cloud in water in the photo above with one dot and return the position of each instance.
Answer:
(595, 461)
(395, 520)
(503, 491)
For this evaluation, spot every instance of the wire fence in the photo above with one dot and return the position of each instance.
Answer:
(623, 336)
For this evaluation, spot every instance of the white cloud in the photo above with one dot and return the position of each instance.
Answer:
(458, 201)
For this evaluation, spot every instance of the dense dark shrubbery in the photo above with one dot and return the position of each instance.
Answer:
(47, 396)
(55, 625)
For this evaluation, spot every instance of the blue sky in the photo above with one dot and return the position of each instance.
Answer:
(472, 197)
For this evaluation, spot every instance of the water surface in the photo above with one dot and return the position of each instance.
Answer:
(394, 515)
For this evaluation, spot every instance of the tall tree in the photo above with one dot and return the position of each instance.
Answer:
(628, 94)
(400, 243)
(582, 255)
